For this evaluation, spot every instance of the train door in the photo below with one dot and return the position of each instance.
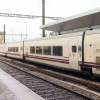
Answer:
(73, 53)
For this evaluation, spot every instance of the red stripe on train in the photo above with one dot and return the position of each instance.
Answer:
(49, 59)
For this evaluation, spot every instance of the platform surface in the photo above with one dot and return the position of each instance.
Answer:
(11, 89)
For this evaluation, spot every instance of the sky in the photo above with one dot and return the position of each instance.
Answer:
(53, 8)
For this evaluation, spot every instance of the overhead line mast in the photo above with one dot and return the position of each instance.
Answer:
(43, 17)
(4, 33)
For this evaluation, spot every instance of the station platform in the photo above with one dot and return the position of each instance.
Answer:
(11, 89)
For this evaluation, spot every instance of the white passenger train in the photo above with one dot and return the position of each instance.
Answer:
(63, 51)
(77, 51)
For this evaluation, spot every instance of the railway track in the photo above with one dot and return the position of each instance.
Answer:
(66, 81)
(45, 89)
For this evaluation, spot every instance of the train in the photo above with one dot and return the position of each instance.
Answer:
(62, 51)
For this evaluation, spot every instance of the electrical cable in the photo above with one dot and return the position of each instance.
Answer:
(55, 6)
(31, 4)
(54, 10)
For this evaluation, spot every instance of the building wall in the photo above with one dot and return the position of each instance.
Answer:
(1, 39)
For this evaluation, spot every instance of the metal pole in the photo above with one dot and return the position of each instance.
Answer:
(4, 33)
(83, 48)
(43, 16)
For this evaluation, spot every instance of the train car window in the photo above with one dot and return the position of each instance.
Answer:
(32, 49)
(10, 49)
(47, 50)
(57, 50)
(74, 49)
(16, 49)
(79, 49)
(38, 50)
(13, 49)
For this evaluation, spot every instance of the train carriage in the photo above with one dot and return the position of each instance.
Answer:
(14, 50)
(48, 51)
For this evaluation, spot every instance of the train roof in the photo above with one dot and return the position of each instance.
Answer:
(87, 19)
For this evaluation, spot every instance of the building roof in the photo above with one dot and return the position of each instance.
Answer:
(87, 19)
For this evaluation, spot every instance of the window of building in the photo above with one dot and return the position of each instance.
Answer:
(38, 50)
(47, 50)
(79, 49)
(74, 49)
(32, 49)
(57, 50)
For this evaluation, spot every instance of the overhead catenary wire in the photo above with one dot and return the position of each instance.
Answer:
(54, 10)
(55, 6)
(27, 16)
(21, 6)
